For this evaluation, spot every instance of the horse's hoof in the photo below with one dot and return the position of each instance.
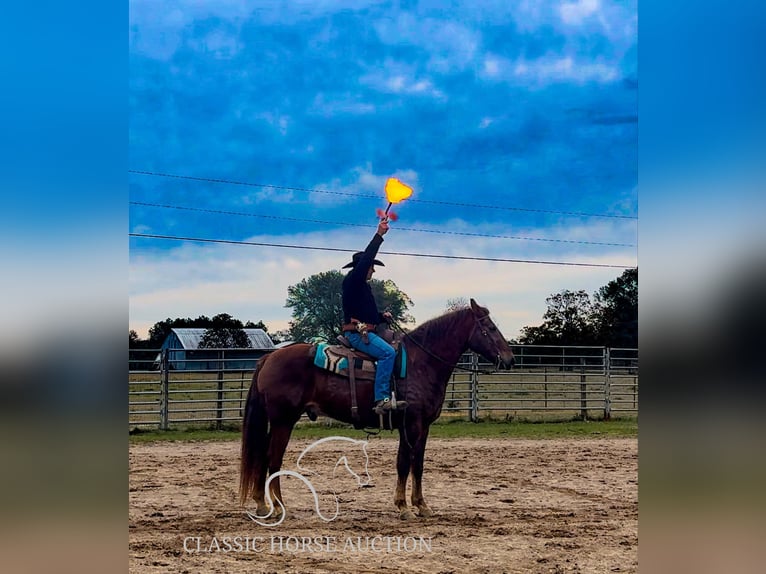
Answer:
(425, 512)
(406, 514)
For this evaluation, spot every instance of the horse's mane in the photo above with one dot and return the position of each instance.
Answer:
(439, 324)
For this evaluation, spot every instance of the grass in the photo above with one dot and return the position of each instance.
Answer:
(623, 427)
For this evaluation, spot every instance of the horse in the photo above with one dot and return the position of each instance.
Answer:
(286, 383)
(301, 474)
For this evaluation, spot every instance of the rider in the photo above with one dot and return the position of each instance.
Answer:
(361, 317)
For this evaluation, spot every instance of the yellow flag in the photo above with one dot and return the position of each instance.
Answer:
(396, 191)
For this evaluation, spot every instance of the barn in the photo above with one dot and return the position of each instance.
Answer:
(184, 354)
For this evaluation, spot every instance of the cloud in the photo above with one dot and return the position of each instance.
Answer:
(445, 44)
(574, 13)
(398, 78)
(549, 69)
(329, 105)
(492, 66)
(251, 283)
(159, 33)
(140, 229)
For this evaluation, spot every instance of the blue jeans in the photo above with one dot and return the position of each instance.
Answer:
(384, 353)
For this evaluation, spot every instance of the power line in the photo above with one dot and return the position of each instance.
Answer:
(371, 196)
(284, 218)
(429, 255)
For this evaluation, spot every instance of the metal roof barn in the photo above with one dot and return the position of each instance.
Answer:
(184, 353)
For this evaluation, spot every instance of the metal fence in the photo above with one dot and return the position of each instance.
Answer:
(547, 383)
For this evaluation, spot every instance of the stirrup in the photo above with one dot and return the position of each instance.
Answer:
(383, 406)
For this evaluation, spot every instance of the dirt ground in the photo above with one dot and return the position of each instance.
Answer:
(500, 505)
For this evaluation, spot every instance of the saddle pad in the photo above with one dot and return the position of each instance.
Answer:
(401, 362)
(333, 358)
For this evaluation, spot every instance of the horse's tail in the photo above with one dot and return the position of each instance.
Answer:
(255, 438)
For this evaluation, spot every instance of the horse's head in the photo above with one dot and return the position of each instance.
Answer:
(487, 340)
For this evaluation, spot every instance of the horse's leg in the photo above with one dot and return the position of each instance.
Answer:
(419, 451)
(403, 463)
(280, 436)
(259, 492)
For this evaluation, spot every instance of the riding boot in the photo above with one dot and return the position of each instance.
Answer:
(385, 405)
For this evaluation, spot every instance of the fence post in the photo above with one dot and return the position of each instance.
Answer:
(583, 391)
(635, 383)
(164, 384)
(241, 392)
(607, 384)
(635, 392)
(474, 388)
(219, 395)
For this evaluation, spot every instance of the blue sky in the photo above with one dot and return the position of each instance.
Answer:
(527, 107)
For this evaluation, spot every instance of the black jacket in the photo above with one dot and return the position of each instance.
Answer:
(358, 301)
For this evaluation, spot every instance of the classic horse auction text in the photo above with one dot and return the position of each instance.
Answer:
(306, 544)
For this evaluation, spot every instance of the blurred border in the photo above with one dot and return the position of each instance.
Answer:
(64, 254)
(701, 147)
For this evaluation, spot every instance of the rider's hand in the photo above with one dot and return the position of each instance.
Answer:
(382, 227)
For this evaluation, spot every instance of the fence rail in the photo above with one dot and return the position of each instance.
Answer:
(166, 388)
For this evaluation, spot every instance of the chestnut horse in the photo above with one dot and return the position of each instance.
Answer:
(286, 384)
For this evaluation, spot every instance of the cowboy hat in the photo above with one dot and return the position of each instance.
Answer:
(355, 259)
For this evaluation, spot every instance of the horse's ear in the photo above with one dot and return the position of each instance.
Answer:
(478, 310)
(474, 305)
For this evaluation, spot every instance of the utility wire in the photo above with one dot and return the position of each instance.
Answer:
(284, 218)
(429, 255)
(372, 196)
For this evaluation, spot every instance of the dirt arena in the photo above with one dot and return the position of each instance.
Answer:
(500, 505)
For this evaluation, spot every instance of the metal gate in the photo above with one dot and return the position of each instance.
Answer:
(547, 383)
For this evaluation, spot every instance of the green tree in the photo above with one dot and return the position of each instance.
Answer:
(611, 319)
(317, 309)
(616, 310)
(568, 321)
(138, 358)
(224, 332)
(160, 330)
(389, 298)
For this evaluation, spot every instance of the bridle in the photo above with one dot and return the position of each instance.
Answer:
(484, 331)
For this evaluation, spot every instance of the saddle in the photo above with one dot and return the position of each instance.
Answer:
(342, 359)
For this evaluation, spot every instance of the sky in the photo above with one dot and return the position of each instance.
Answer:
(278, 123)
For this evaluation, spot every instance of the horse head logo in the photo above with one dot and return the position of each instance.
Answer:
(362, 476)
